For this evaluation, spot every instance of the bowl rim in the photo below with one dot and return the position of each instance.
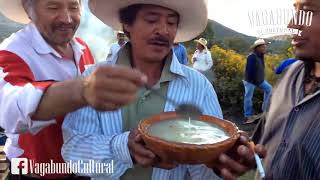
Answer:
(143, 130)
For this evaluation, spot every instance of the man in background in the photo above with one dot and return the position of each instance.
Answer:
(255, 77)
(121, 37)
(181, 53)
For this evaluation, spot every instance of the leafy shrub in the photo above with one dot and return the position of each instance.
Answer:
(229, 67)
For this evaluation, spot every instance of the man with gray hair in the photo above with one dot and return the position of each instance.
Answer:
(40, 82)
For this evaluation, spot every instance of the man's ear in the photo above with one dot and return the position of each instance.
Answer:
(26, 4)
(126, 28)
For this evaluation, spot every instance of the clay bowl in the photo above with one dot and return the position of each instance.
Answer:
(181, 153)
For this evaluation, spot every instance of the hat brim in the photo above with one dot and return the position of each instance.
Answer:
(193, 14)
(14, 11)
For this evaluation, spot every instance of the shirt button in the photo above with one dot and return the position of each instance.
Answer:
(296, 109)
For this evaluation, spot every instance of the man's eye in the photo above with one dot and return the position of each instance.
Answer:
(74, 7)
(172, 23)
(52, 7)
(151, 20)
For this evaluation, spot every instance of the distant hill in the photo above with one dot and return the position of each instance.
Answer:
(221, 32)
(7, 27)
(227, 38)
(215, 33)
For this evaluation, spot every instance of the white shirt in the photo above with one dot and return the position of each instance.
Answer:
(202, 60)
(19, 101)
(114, 49)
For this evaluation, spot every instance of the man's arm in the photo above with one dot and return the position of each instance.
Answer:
(251, 68)
(107, 88)
(84, 139)
(209, 61)
(184, 55)
(22, 97)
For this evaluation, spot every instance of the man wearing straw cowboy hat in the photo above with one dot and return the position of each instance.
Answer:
(40, 68)
(202, 59)
(152, 27)
(121, 37)
(254, 77)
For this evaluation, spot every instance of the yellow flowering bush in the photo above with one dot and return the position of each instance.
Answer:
(229, 67)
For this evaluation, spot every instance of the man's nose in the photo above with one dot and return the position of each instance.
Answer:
(65, 17)
(163, 28)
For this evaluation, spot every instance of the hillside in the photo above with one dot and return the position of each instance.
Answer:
(215, 33)
(227, 38)
(7, 27)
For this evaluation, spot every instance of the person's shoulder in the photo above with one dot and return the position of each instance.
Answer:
(182, 46)
(9, 56)
(92, 67)
(251, 55)
(17, 40)
(110, 61)
(114, 45)
(194, 76)
(81, 42)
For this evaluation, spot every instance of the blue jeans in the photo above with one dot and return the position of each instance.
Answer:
(249, 90)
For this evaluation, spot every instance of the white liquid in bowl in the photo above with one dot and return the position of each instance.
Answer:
(195, 132)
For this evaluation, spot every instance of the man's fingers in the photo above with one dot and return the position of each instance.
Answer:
(144, 162)
(137, 148)
(116, 98)
(115, 84)
(245, 153)
(244, 139)
(111, 101)
(123, 72)
(233, 165)
(227, 175)
(261, 150)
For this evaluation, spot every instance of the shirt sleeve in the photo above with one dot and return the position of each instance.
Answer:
(209, 61)
(250, 68)
(211, 105)
(84, 139)
(20, 95)
(195, 54)
(110, 52)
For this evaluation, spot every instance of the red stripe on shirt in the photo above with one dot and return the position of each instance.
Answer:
(86, 58)
(19, 73)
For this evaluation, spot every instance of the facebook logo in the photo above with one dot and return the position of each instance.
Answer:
(19, 166)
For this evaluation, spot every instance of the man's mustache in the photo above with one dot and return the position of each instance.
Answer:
(160, 40)
(64, 26)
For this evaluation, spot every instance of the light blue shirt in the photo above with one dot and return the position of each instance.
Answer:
(92, 135)
(181, 52)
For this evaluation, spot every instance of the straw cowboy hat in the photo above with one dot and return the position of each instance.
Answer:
(203, 42)
(13, 10)
(120, 32)
(259, 42)
(193, 14)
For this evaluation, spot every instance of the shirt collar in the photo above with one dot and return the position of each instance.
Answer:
(42, 47)
(171, 69)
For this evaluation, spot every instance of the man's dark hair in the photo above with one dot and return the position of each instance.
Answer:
(128, 15)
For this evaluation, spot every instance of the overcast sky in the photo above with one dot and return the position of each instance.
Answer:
(234, 13)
